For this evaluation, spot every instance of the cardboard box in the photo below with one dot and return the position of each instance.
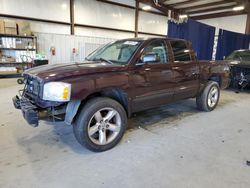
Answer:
(10, 24)
(24, 28)
(10, 28)
(10, 59)
(1, 27)
(7, 59)
(10, 31)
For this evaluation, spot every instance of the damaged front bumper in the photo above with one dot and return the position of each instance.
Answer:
(29, 111)
(33, 113)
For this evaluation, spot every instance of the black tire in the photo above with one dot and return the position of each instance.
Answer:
(202, 100)
(86, 115)
(20, 81)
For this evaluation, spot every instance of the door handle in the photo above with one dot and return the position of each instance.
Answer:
(195, 74)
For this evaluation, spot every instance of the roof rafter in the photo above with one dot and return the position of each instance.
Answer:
(211, 9)
(162, 7)
(183, 2)
(205, 7)
(208, 5)
(216, 15)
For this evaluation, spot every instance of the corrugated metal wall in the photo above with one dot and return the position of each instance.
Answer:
(64, 45)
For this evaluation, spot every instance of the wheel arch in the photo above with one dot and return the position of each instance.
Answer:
(216, 78)
(116, 94)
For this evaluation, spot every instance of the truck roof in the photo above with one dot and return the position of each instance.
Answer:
(152, 38)
(242, 50)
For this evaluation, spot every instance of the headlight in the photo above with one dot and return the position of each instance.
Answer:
(57, 91)
(235, 62)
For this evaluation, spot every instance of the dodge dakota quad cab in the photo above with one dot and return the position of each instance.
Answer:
(123, 77)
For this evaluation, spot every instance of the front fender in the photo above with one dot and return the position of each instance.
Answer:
(71, 111)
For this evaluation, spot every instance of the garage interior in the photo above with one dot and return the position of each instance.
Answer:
(174, 145)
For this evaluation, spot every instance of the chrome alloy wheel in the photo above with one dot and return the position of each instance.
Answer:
(213, 96)
(104, 126)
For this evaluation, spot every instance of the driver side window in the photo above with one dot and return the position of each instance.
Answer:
(159, 48)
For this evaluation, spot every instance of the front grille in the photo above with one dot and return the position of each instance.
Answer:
(32, 86)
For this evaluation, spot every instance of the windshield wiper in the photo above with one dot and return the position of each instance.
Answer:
(106, 60)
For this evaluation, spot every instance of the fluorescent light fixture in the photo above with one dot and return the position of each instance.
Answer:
(238, 8)
(183, 16)
(147, 7)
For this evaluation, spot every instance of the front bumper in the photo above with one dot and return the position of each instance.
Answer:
(29, 111)
(32, 113)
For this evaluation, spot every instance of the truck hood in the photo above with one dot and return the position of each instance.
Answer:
(54, 72)
(241, 64)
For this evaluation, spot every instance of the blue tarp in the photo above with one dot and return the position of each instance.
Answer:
(201, 36)
(229, 41)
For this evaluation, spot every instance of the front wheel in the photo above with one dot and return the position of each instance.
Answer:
(100, 124)
(208, 99)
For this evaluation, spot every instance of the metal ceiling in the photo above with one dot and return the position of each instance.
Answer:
(201, 9)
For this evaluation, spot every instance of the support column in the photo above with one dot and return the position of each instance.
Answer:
(248, 24)
(72, 18)
(136, 17)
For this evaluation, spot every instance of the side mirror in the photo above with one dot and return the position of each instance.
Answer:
(151, 57)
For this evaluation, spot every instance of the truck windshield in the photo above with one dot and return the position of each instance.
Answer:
(117, 52)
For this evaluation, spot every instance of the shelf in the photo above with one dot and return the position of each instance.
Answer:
(11, 75)
(18, 49)
(17, 36)
(4, 50)
(7, 64)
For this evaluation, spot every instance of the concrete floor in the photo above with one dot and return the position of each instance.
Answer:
(172, 146)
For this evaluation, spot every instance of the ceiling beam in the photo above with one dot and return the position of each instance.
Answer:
(245, 3)
(211, 9)
(130, 7)
(216, 15)
(183, 3)
(115, 3)
(207, 5)
(161, 7)
(163, 1)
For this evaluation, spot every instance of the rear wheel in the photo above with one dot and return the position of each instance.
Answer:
(100, 124)
(208, 99)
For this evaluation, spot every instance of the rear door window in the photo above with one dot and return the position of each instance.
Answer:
(181, 51)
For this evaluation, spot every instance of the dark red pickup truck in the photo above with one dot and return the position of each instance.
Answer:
(97, 96)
